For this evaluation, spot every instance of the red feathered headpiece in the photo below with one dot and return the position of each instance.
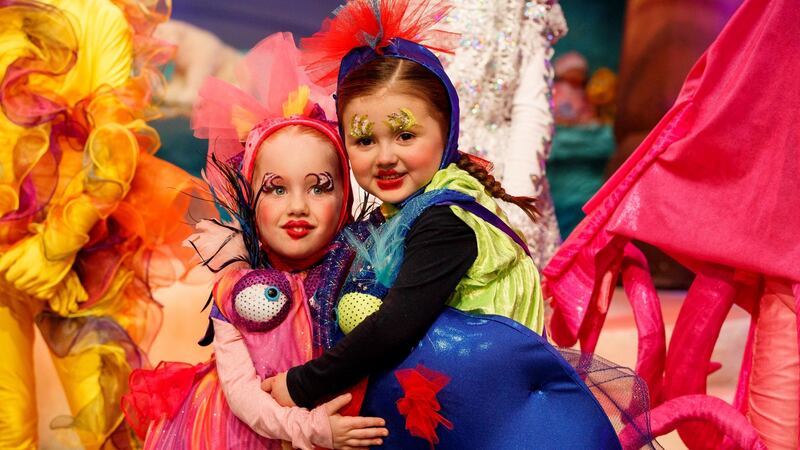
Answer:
(373, 23)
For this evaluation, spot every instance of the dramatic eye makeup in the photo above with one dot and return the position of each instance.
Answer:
(324, 181)
(361, 127)
(401, 121)
(271, 183)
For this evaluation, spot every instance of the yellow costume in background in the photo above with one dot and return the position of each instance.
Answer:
(90, 220)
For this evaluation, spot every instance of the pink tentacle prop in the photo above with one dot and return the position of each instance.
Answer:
(596, 316)
(574, 280)
(774, 382)
(646, 305)
(705, 308)
(796, 292)
(676, 412)
(743, 385)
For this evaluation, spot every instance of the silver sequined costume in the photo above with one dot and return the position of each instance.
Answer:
(503, 75)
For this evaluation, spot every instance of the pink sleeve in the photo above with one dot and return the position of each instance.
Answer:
(242, 387)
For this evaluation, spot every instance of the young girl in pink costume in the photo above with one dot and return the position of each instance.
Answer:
(278, 268)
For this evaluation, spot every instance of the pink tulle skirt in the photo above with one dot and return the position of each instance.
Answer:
(178, 405)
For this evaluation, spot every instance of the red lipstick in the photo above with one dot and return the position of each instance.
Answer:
(389, 180)
(297, 229)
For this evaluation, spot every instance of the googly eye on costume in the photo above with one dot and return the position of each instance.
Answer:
(261, 300)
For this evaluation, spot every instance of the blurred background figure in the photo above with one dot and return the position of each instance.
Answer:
(198, 54)
(709, 185)
(569, 91)
(210, 36)
(584, 110)
(504, 78)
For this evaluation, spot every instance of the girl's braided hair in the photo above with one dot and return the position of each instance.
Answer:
(495, 189)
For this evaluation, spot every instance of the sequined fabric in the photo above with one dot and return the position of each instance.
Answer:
(261, 300)
(499, 39)
(333, 271)
(275, 343)
(204, 421)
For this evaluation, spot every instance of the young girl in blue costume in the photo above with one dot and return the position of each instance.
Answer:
(444, 292)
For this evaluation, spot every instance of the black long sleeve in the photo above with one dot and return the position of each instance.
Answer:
(440, 248)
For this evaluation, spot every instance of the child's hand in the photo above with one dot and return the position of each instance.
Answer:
(353, 433)
(276, 386)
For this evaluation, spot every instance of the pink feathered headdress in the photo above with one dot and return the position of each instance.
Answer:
(272, 92)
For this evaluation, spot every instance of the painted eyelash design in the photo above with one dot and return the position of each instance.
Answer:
(401, 121)
(324, 181)
(361, 127)
(268, 185)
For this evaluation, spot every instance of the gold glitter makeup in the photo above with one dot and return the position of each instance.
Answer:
(361, 127)
(401, 121)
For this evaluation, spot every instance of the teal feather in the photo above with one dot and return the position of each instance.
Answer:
(384, 250)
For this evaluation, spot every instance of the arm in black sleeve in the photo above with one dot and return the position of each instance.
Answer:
(440, 248)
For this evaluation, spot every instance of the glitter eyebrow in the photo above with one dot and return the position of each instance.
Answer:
(361, 127)
(324, 180)
(401, 121)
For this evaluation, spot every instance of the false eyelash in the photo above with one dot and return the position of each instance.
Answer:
(268, 185)
(324, 181)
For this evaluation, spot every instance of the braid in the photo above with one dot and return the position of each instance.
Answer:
(495, 189)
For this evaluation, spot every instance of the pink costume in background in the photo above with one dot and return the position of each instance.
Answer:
(266, 317)
(716, 186)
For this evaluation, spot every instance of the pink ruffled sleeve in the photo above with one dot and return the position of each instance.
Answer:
(242, 387)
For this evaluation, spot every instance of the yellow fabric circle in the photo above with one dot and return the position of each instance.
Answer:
(354, 308)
